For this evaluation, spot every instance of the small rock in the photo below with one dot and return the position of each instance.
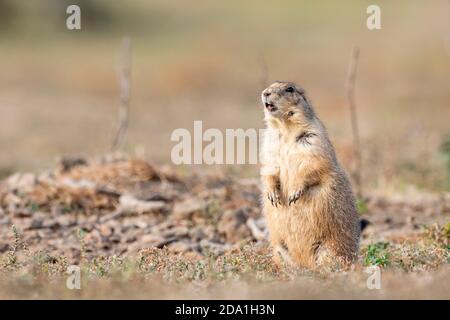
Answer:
(11, 201)
(115, 238)
(23, 182)
(176, 232)
(5, 221)
(187, 208)
(150, 240)
(130, 204)
(66, 220)
(37, 221)
(133, 235)
(211, 233)
(92, 237)
(78, 184)
(35, 224)
(140, 224)
(153, 240)
(68, 162)
(196, 234)
(182, 246)
(257, 232)
(214, 247)
(105, 231)
(233, 225)
(4, 247)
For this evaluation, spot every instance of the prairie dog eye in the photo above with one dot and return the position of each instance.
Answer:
(290, 113)
(290, 89)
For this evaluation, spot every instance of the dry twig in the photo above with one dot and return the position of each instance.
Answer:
(125, 86)
(351, 79)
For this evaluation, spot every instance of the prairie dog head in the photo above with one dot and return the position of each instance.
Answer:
(286, 101)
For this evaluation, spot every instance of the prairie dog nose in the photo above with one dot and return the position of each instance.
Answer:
(266, 94)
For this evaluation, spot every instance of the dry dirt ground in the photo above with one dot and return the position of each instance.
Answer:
(141, 231)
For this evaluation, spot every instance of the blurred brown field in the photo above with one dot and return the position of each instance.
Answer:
(59, 91)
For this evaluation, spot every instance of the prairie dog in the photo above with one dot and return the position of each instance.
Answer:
(307, 198)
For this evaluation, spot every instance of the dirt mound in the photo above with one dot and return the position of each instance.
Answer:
(118, 206)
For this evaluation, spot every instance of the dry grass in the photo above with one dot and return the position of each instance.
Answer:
(417, 268)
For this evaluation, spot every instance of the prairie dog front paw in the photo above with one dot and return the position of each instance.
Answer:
(295, 196)
(274, 197)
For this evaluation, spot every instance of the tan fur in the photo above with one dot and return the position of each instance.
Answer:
(322, 225)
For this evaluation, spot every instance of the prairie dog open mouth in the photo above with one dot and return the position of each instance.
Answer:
(270, 107)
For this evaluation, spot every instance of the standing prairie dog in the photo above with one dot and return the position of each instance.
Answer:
(307, 198)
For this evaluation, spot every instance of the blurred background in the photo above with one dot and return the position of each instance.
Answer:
(205, 60)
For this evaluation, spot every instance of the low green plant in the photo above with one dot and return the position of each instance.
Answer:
(80, 233)
(361, 206)
(377, 254)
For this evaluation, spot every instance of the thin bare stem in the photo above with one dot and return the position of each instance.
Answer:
(125, 88)
(351, 79)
